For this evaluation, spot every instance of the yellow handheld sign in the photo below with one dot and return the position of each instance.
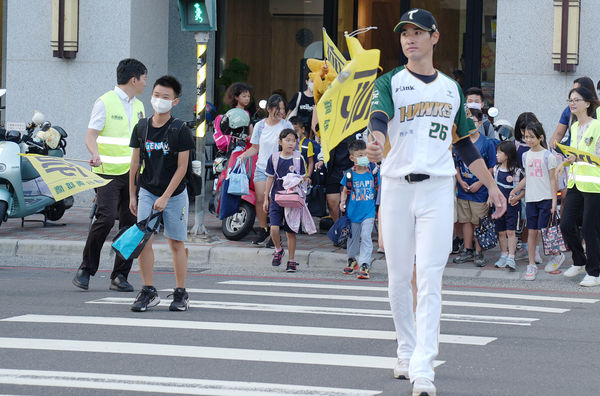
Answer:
(581, 156)
(63, 178)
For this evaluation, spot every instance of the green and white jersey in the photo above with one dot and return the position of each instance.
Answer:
(425, 119)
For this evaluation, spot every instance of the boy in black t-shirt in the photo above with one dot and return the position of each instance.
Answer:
(165, 153)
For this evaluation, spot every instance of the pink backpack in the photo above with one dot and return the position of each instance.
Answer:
(288, 198)
(222, 141)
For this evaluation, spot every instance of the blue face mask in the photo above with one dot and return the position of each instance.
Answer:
(362, 161)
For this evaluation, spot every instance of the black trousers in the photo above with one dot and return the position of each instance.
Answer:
(583, 209)
(110, 200)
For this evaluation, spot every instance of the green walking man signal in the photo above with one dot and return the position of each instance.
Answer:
(198, 16)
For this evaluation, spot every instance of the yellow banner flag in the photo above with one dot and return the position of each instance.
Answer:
(64, 178)
(332, 53)
(581, 156)
(345, 106)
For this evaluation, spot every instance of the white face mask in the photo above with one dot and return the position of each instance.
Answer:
(474, 105)
(161, 106)
(309, 85)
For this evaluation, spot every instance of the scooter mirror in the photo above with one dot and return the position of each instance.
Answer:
(2, 92)
(262, 104)
(38, 117)
(493, 112)
(45, 126)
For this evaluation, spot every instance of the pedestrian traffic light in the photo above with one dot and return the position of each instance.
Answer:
(198, 15)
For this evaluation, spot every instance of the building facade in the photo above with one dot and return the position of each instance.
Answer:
(504, 46)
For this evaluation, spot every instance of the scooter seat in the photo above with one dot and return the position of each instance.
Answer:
(28, 172)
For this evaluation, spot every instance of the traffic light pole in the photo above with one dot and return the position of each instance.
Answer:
(202, 39)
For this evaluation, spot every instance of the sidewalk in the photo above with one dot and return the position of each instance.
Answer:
(315, 251)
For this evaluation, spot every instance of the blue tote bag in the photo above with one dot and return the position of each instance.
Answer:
(230, 204)
(238, 180)
(130, 242)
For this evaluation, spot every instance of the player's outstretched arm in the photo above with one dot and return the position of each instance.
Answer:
(479, 169)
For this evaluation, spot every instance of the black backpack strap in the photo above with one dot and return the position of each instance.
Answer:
(142, 135)
(172, 132)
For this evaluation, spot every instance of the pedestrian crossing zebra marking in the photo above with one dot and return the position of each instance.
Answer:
(201, 352)
(530, 308)
(182, 386)
(532, 297)
(303, 309)
(241, 327)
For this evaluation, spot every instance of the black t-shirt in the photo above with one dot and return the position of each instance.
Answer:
(160, 160)
(305, 107)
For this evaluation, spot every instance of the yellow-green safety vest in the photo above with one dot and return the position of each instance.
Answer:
(581, 174)
(113, 140)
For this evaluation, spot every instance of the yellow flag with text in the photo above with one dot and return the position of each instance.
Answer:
(581, 156)
(64, 178)
(345, 105)
(332, 53)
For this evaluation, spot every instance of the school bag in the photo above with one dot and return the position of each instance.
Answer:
(222, 141)
(288, 198)
(193, 181)
(374, 169)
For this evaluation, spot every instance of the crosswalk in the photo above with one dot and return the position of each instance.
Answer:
(241, 323)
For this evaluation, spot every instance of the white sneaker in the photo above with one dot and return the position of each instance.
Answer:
(401, 369)
(538, 258)
(555, 263)
(574, 270)
(589, 281)
(423, 387)
(531, 272)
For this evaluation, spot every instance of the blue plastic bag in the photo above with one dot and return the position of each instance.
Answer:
(340, 231)
(130, 242)
(238, 180)
(230, 204)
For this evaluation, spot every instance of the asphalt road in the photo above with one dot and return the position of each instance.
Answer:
(270, 333)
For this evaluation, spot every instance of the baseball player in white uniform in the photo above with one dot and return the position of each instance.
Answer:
(422, 111)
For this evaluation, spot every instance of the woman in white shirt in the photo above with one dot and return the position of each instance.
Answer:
(265, 142)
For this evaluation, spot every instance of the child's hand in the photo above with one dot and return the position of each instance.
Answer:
(266, 204)
(463, 184)
(475, 186)
(343, 207)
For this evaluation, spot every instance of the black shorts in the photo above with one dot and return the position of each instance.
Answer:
(333, 179)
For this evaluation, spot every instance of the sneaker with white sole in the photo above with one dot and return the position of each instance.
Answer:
(521, 254)
(574, 270)
(501, 263)
(590, 281)
(510, 264)
(401, 369)
(423, 387)
(555, 262)
(531, 272)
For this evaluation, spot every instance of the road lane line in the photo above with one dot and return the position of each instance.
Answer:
(302, 309)
(187, 386)
(384, 289)
(242, 327)
(200, 352)
(351, 298)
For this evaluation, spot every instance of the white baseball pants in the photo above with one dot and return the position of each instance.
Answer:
(417, 221)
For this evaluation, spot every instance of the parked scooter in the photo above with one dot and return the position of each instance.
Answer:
(22, 190)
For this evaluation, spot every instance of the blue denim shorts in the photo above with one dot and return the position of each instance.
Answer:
(260, 175)
(175, 215)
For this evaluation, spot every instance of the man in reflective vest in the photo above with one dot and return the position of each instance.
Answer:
(113, 117)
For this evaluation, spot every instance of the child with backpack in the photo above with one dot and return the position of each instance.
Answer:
(507, 175)
(306, 146)
(359, 195)
(540, 194)
(280, 164)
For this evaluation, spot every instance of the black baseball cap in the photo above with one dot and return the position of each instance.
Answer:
(418, 17)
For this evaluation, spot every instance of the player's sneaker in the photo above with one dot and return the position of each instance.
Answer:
(531, 272)
(457, 245)
(423, 387)
(146, 298)
(352, 267)
(464, 257)
(501, 263)
(363, 273)
(555, 262)
(574, 270)
(479, 260)
(401, 369)
(590, 281)
(181, 300)
(291, 266)
(510, 264)
(277, 256)
(261, 236)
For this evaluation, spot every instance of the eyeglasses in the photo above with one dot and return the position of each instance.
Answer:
(573, 101)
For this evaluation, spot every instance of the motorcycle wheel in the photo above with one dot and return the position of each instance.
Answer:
(55, 211)
(238, 225)
(3, 211)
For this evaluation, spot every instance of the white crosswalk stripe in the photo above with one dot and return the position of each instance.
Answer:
(273, 304)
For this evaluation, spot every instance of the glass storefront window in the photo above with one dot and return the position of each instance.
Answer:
(488, 51)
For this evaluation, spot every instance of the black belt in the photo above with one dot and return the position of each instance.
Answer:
(416, 177)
